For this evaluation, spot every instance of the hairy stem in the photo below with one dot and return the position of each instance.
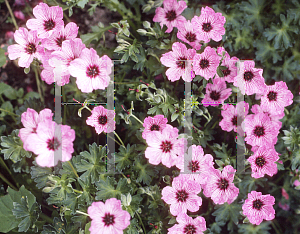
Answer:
(11, 15)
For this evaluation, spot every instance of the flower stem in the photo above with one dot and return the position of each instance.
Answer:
(12, 114)
(77, 191)
(46, 218)
(119, 139)
(7, 182)
(11, 14)
(114, 140)
(79, 212)
(4, 165)
(141, 221)
(137, 119)
(38, 83)
(73, 169)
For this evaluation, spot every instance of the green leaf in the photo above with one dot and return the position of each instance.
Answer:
(227, 212)
(26, 70)
(250, 228)
(6, 106)
(61, 226)
(82, 3)
(87, 227)
(145, 171)
(40, 175)
(122, 158)
(2, 57)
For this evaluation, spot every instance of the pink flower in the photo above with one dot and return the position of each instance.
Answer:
(46, 141)
(182, 196)
(187, 34)
(216, 93)
(263, 162)
(258, 207)
(91, 71)
(177, 68)
(284, 207)
(231, 70)
(54, 42)
(209, 25)
(296, 183)
(47, 20)
(188, 225)
(27, 49)
(164, 146)
(170, 14)
(102, 119)
(276, 97)
(220, 186)
(284, 194)
(19, 15)
(274, 117)
(206, 63)
(9, 35)
(156, 123)
(108, 217)
(249, 79)
(30, 120)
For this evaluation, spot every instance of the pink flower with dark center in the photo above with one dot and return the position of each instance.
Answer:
(209, 25)
(216, 93)
(188, 225)
(46, 141)
(220, 186)
(102, 119)
(27, 47)
(206, 63)
(182, 196)
(47, 20)
(249, 79)
(260, 130)
(156, 123)
(91, 71)
(276, 97)
(54, 42)
(231, 70)
(170, 14)
(258, 207)
(30, 120)
(108, 217)
(175, 60)
(263, 162)
(164, 146)
(187, 34)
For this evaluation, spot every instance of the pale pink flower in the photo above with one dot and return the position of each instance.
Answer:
(285, 194)
(27, 48)
(46, 141)
(258, 207)
(187, 34)
(182, 196)
(177, 68)
(19, 15)
(102, 119)
(47, 20)
(156, 123)
(206, 63)
(108, 217)
(284, 206)
(296, 183)
(188, 225)
(170, 14)
(91, 71)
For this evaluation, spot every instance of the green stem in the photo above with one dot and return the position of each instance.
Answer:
(73, 169)
(12, 114)
(38, 83)
(2, 100)
(4, 165)
(275, 228)
(137, 119)
(141, 222)
(79, 212)
(119, 139)
(11, 15)
(7, 182)
(77, 191)
(46, 218)
(114, 140)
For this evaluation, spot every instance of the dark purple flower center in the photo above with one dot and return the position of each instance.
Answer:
(248, 76)
(102, 119)
(60, 40)
(108, 219)
(234, 120)
(181, 195)
(154, 127)
(191, 37)
(206, 27)
(194, 166)
(189, 229)
(223, 184)
(92, 71)
(226, 72)
(181, 64)
(204, 63)
(34, 130)
(272, 96)
(259, 131)
(257, 204)
(53, 144)
(49, 25)
(214, 95)
(70, 60)
(166, 146)
(171, 15)
(260, 161)
(30, 48)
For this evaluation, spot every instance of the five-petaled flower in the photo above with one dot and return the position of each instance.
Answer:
(187, 34)
(151, 124)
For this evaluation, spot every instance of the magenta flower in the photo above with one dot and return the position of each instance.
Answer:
(47, 20)
(182, 196)
(263, 162)
(27, 47)
(177, 67)
(216, 93)
(54, 42)
(284, 206)
(276, 97)
(91, 71)
(46, 141)
(156, 123)
(102, 119)
(231, 70)
(164, 146)
(206, 63)
(209, 25)
(170, 14)
(188, 225)
(187, 34)
(296, 183)
(19, 15)
(260, 130)
(108, 217)
(220, 186)
(258, 207)
(249, 79)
